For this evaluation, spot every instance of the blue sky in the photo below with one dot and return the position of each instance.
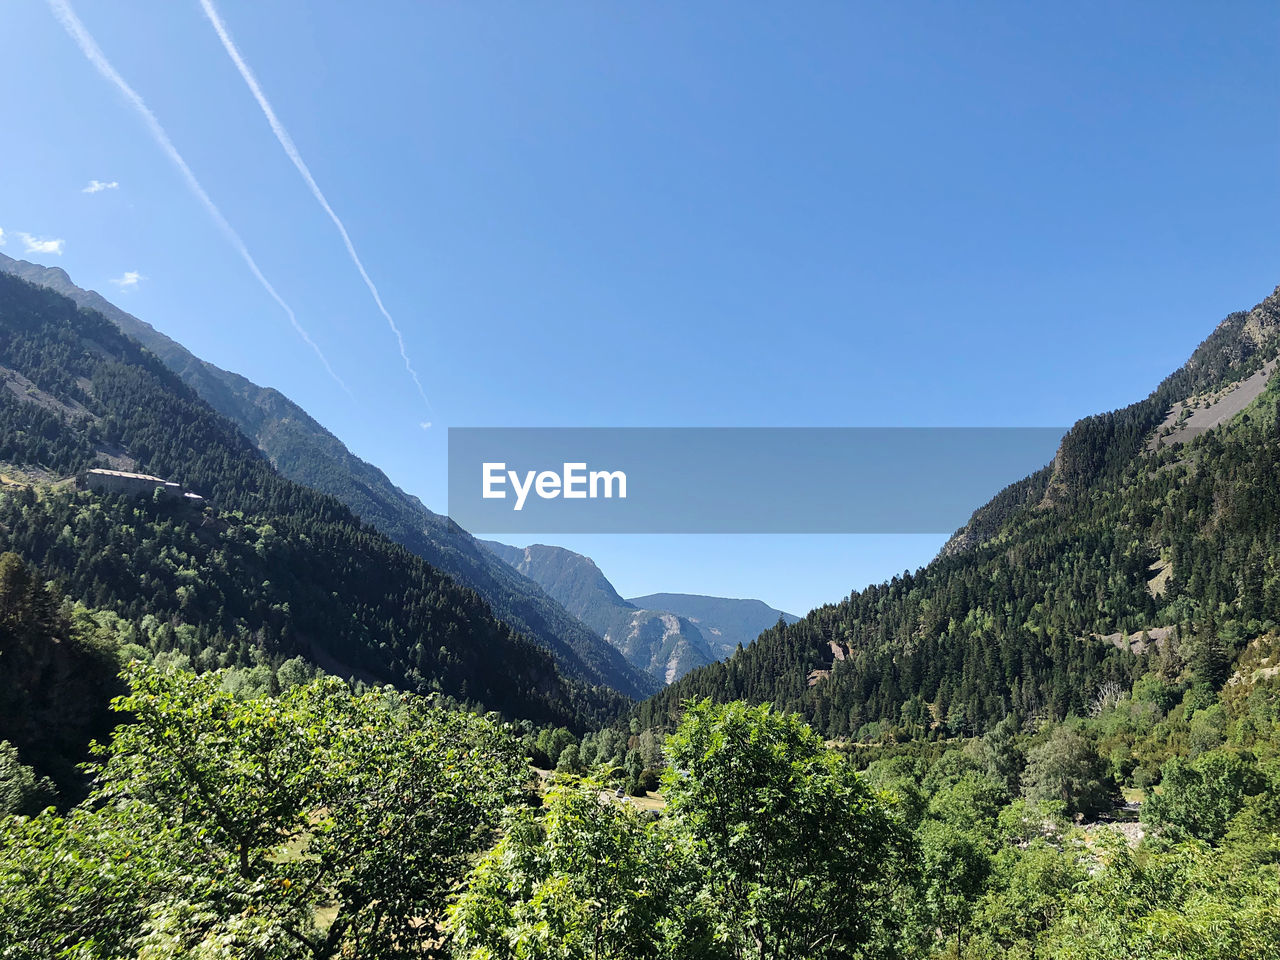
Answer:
(597, 214)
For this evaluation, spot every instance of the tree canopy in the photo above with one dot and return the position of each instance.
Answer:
(309, 825)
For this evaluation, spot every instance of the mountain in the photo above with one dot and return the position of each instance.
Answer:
(305, 452)
(1152, 538)
(262, 570)
(725, 623)
(658, 641)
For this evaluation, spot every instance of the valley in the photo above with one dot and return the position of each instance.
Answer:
(639, 482)
(1077, 701)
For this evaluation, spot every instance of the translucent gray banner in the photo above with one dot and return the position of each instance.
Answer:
(511, 480)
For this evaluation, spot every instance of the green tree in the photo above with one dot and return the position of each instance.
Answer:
(568, 762)
(1197, 798)
(1028, 892)
(21, 790)
(261, 811)
(551, 743)
(1208, 729)
(955, 863)
(582, 880)
(1000, 754)
(88, 884)
(1176, 904)
(793, 847)
(974, 800)
(1066, 769)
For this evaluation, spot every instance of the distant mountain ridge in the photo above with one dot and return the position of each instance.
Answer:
(726, 623)
(304, 451)
(658, 637)
(658, 642)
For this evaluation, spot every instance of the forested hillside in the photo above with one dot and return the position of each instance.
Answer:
(1059, 740)
(305, 452)
(1042, 600)
(266, 570)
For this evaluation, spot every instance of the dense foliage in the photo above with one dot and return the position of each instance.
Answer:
(316, 824)
(781, 831)
(57, 675)
(320, 823)
(1013, 845)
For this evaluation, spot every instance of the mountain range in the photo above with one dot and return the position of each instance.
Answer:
(726, 623)
(633, 653)
(1154, 533)
(305, 452)
(261, 570)
(666, 634)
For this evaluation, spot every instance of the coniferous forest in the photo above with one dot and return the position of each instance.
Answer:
(255, 727)
(271, 570)
(1111, 539)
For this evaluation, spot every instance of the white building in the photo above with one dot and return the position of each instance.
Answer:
(134, 485)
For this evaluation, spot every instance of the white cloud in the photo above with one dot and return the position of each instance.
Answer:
(1, 238)
(129, 281)
(425, 424)
(36, 245)
(97, 186)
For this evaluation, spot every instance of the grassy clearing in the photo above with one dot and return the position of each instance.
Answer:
(650, 801)
(1133, 795)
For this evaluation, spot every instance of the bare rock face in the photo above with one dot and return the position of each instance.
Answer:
(725, 622)
(664, 634)
(663, 644)
(1220, 379)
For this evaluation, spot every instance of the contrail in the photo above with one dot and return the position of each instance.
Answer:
(93, 53)
(291, 150)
